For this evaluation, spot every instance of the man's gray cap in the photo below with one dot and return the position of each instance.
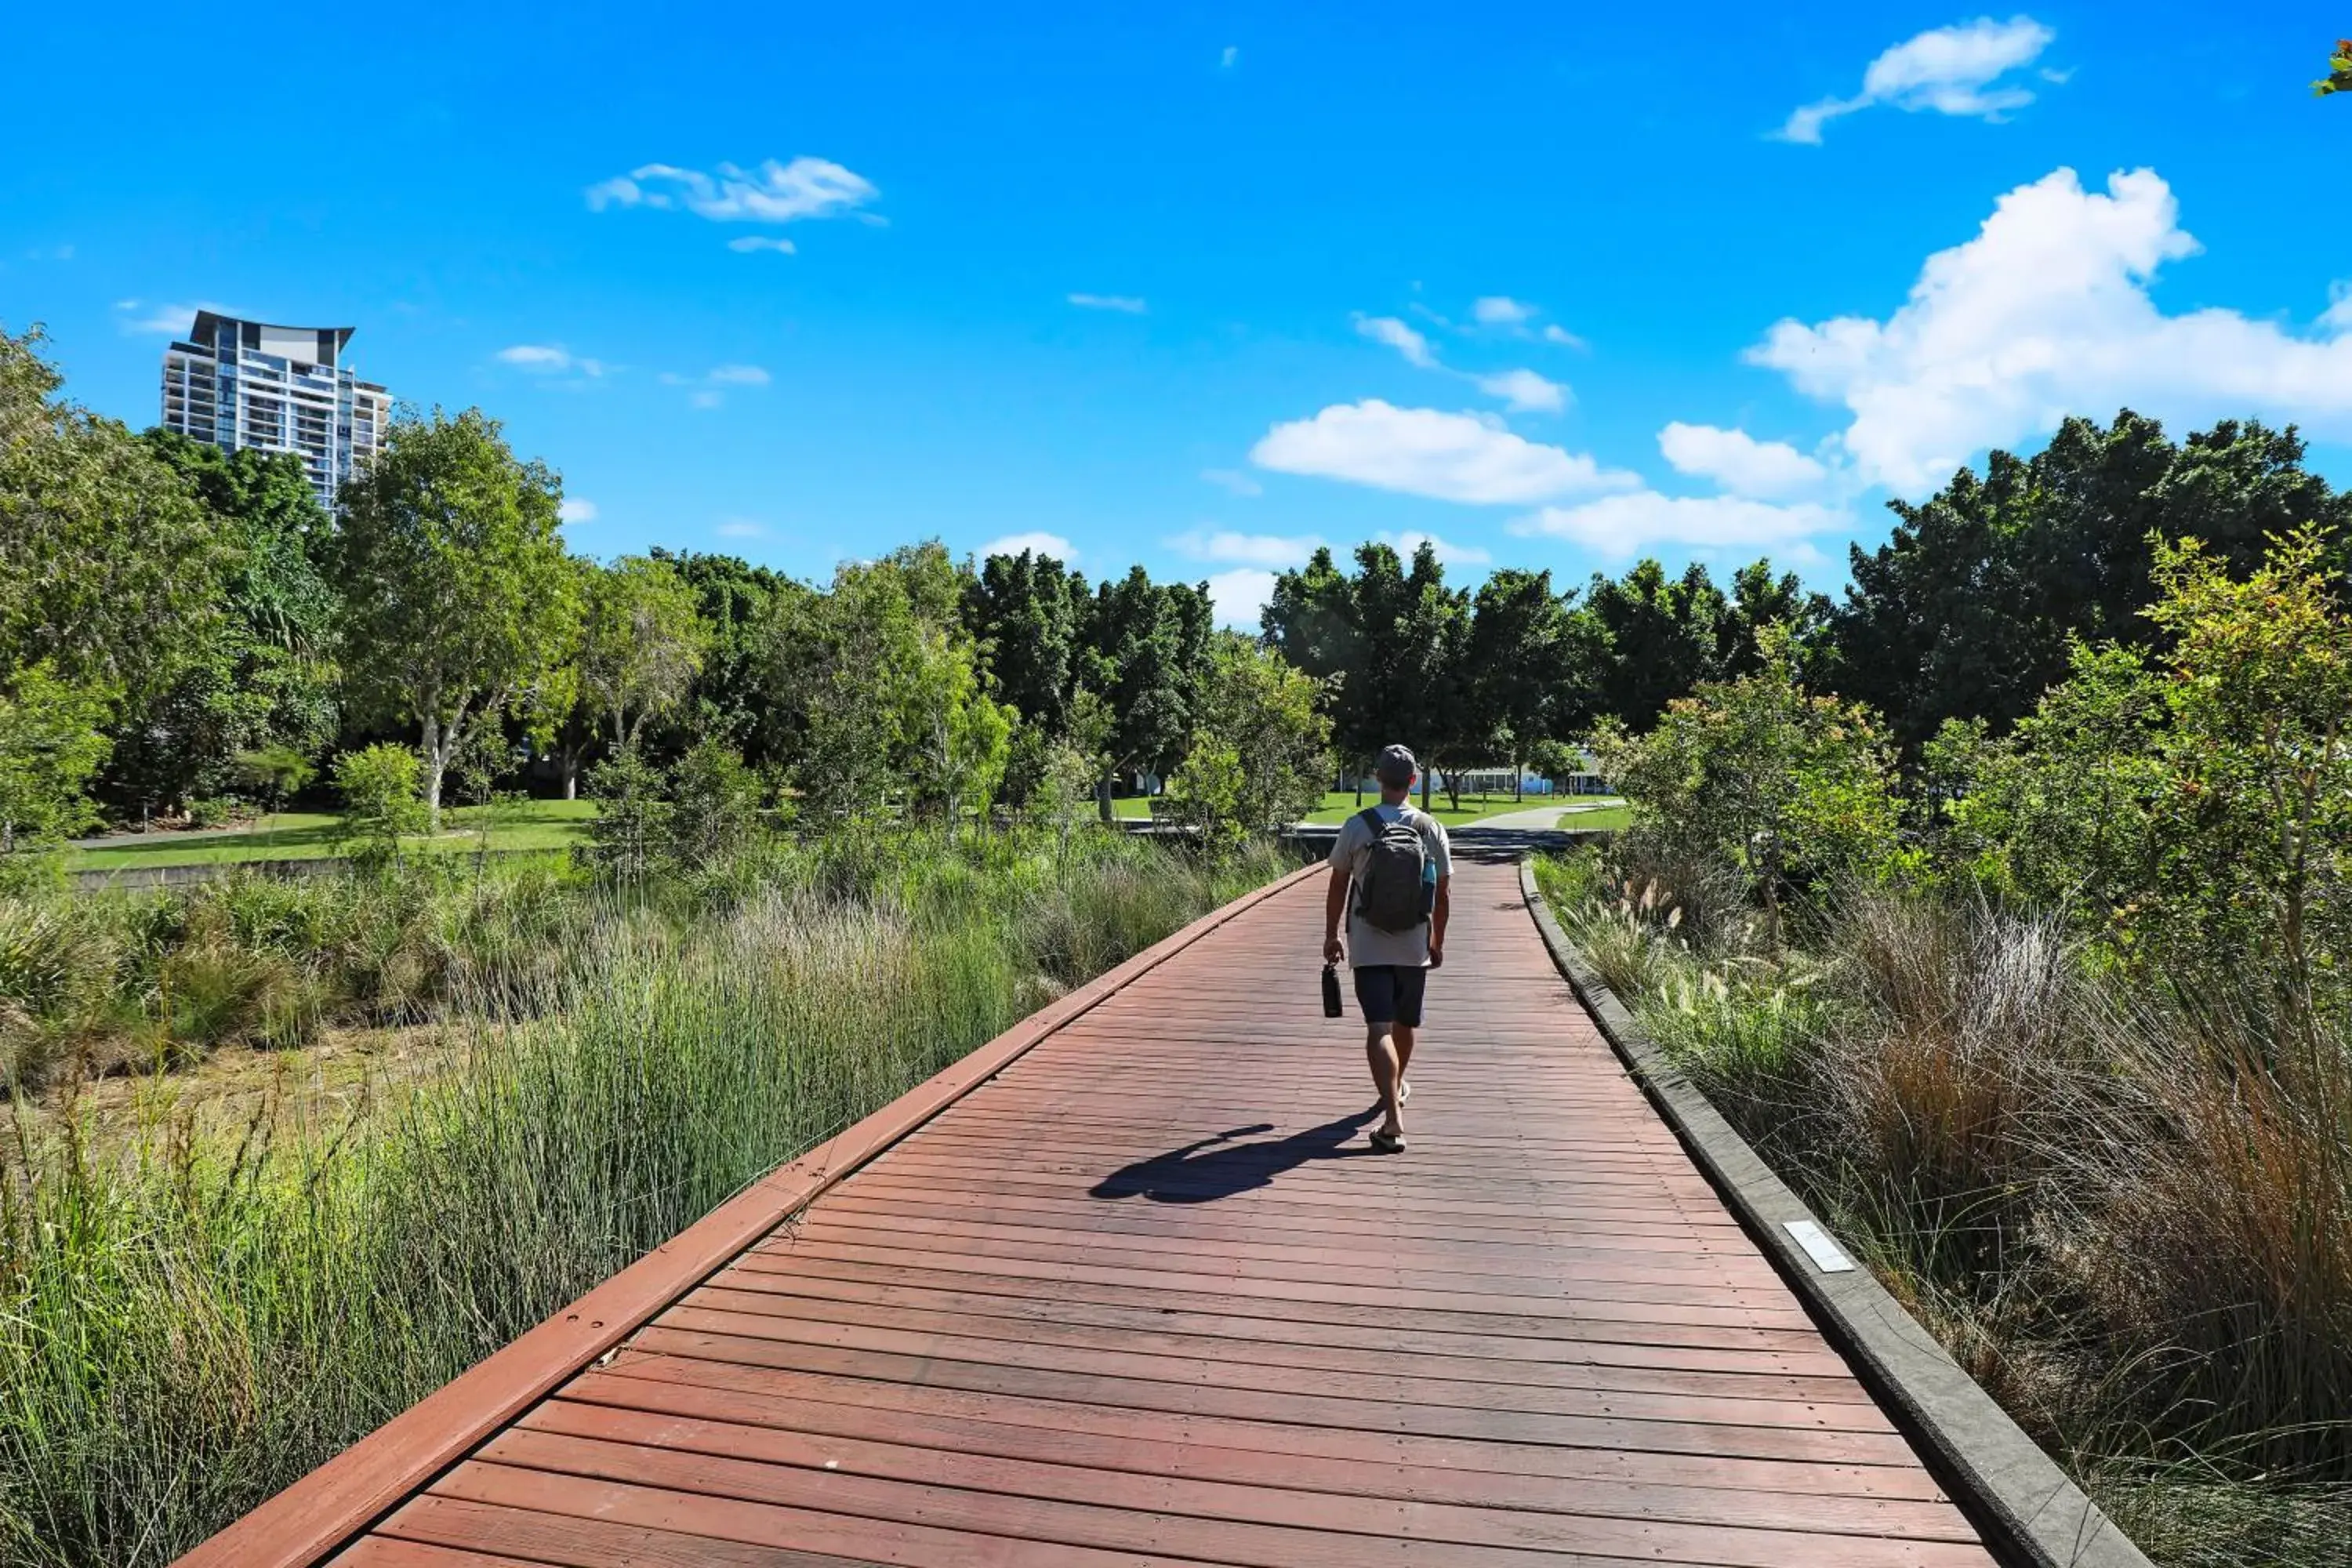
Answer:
(1396, 766)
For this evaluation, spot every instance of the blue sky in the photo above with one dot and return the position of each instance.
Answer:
(1198, 286)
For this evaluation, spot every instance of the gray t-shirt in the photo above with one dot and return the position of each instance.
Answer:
(1368, 944)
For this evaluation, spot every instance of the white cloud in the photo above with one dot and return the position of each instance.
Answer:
(1127, 303)
(1228, 548)
(1952, 70)
(741, 527)
(1428, 452)
(1525, 391)
(1738, 462)
(2338, 317)
(750, 242)
(1233, 479)
(577, 508)
(1626, 525)
(1556, 333)
(739, 376)
(1229, 56)
(772, 193)
(163, 321)
(1035, 543)
(2044, 313)
(1396, 336)
(706, 399)
(1239, 597)
(549, 359)
(1448, 553)
(1501, 310)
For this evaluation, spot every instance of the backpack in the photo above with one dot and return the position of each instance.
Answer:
(1388, 889)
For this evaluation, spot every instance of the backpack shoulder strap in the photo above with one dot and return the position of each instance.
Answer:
(1371, 815)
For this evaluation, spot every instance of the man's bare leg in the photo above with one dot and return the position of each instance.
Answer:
(1380, 1050)
(1402, 1035)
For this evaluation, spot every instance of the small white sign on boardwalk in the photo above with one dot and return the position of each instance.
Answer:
(1819, 1246)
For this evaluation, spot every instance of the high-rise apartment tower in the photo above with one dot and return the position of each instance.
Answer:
(282, 389)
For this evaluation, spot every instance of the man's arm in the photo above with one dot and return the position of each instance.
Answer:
(1335, 904)
(1437, 923)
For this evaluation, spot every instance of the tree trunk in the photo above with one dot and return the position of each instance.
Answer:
(568, 759)
(437, 759)
(1102, 798)
(1425, 787)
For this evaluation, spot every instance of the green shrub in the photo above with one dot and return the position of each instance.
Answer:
(381, 788)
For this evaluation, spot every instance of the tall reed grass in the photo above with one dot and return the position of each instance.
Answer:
(2125, 1207)
(189, 1322)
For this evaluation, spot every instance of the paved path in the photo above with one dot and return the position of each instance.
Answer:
(1146, 1296)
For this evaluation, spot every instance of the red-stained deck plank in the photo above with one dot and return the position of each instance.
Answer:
(1143, 1296)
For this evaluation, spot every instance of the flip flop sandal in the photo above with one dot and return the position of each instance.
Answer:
(1388, 1142)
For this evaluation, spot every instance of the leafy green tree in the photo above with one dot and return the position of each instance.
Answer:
(879, 682)
(457, 597)
(956, 735)
(379, 787)
(1024, 611)
(2339, 72)
(1652, 638)
(1971, 609)
(714, 807)
(1527, 673)
(1757, 600)
(642, 644)
(111, 567)
(1311, 619)
(2197, 804)
(732, 600)
(1261, 746)
(1794, 791)
(1143, 646)
(50, 745)
(631, 815)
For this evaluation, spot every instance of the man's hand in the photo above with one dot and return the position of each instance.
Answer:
(1334, 951)
(1436, 955)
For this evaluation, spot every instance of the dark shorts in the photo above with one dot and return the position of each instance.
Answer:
(1392, 993)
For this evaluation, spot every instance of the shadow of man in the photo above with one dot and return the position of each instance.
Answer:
(1217, 1167)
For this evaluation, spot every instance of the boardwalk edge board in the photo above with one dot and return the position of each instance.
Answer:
(2032, 1509)
(326, 1509)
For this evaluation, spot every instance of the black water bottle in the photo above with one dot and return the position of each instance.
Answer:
(1331, 1008)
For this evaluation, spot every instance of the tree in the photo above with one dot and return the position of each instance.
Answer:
(714, 807)
(1971, 608)
(1654, 638)
(1143, 644)
(732, 600)
(274, 773)
(457, 594)
(110, 568)
(381, 803)
(1024, 611)
(641, 645)
(1311, 619)
(1527, 679)
(1792, 790)
(50, 748)
(259, 675)
(882, 688)
(1757, 600)
(1261, 748)
(2196, 803)
(2339, 72)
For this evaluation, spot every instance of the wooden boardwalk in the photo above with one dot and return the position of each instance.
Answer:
(1147, 1298)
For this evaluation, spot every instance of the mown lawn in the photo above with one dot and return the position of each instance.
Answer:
(313, 835)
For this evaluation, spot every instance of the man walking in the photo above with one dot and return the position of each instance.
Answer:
(1398, 866)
